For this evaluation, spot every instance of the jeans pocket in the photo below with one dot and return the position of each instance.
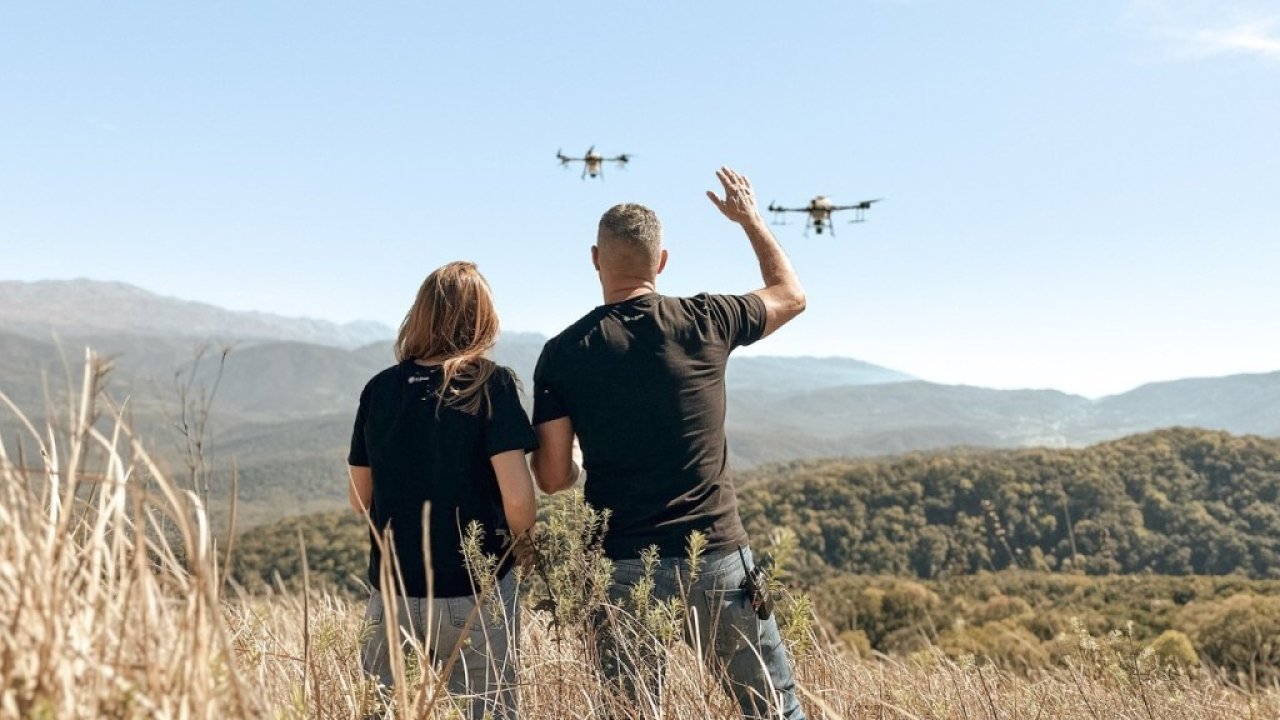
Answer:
(459, 610)
(731, 622)
(466, 614)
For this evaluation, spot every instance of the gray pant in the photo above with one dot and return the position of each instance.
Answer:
(485, 667)
(746, 652)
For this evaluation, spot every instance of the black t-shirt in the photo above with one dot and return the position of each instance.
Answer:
(642, 381)
(422, 451)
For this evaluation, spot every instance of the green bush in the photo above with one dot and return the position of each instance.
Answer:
(1240, 634)
(1173, 649)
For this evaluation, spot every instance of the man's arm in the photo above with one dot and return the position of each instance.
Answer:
(782, 293)
(553, 466)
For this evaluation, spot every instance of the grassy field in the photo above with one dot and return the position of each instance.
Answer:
(114, 604)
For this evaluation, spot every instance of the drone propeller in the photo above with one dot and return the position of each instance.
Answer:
(860, 210)
(779, 216)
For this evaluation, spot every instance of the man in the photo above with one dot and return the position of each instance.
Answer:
(640, 381)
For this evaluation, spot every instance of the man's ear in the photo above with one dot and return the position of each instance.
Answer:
(662, 262)
(595, 257)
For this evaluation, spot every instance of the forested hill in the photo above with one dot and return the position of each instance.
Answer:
(1175, 501)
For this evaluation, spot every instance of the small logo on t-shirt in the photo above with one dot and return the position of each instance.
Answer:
(418, 378)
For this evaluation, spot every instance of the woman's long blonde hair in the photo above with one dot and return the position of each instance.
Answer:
(453, 322)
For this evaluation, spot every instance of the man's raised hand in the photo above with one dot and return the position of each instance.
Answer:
(739, 203)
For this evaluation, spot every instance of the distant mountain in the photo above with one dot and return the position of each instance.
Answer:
(1238, 403)
(519, 351)
(781, 376)
(21, 362)
(899, 417)
(91, 307)
(896, 417)
(1005, 414)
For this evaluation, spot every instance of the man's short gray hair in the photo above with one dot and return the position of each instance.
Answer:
(636, 230)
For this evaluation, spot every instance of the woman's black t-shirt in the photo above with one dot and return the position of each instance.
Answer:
(422, 451)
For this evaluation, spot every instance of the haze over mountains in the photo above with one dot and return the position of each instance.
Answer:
(288, 392)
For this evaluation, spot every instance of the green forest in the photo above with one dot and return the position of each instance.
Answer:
(1174, 502)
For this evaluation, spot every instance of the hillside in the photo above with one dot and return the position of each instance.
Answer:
(1179, 501)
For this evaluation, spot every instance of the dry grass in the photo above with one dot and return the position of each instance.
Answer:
(112, 605)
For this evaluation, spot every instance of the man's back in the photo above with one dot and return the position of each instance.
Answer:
(643, 384)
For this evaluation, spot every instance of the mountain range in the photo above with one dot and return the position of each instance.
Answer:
(285, 398)
(75, 308)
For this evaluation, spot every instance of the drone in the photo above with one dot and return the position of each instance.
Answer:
(819, 211)
(592, 162)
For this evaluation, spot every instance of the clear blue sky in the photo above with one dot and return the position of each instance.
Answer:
(1079, 195)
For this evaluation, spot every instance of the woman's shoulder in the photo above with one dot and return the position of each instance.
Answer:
(388, 376)
(503, 376)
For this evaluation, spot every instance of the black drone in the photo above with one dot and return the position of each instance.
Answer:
(592, 162)
(819, 212)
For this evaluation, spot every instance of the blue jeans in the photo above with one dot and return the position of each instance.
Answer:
(746, 653)
(484, 672)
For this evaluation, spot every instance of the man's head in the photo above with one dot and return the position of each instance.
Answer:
(629, 243)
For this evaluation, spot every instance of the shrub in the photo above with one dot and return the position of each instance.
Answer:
(1173, 649)
(1241, 634)
(1000, 607)
(857, 642)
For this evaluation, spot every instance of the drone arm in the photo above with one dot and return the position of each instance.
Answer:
(864, 205)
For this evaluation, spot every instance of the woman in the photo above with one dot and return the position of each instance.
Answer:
(441, 436)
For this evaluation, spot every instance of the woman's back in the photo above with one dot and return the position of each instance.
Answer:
(444, 430)
(423, 451)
